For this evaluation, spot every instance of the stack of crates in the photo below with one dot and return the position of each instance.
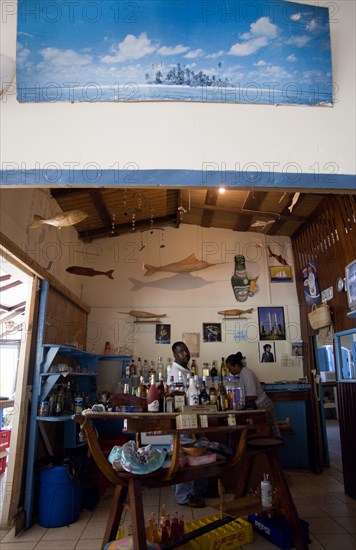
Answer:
(232, 535)
(4, 445)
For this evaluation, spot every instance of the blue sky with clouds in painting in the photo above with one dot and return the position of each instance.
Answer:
(108, 41)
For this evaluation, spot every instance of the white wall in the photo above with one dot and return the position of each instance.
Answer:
(183, 135)
(50, 247)
(187, 299)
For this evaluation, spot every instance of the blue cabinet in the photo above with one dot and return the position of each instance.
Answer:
(292, 401)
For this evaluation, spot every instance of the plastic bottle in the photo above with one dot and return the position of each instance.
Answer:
(266, 492)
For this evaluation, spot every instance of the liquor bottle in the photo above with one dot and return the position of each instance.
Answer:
(160, 368)
(133, 369)
(223, 403)
(142, 390)
(145, 369)
(168, 367)
(223, 368)
(239, 281)
(192, 395)
(161, 391)
(213, 393)
(205, 369)
(59, 404)
(214, 370)
(152, 369)
(168, 397)
(179, 394)
(193, 367)
(153, 396)
(197, 383)
(204, 398)
(239, 394)
(139, 366)
(181, 525)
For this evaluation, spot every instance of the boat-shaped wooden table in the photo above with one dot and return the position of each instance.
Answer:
(127, 484)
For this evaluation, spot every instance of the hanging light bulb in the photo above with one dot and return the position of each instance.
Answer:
(133, 221)
(151, 222)
(162, 237)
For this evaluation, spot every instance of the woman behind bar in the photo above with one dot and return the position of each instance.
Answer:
(255, 397)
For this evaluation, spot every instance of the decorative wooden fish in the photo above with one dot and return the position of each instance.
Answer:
(191, 263)
(143, 314)
(88, 271)
(278, 257)
(61, 220)
(235, 312)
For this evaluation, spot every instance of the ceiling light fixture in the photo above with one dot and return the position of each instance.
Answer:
(222, 190)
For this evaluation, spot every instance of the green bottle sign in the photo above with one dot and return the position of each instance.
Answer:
(239, 281)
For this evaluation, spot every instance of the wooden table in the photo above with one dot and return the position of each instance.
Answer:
(127, 484)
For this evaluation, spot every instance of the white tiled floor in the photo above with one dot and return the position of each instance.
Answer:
(320, 501)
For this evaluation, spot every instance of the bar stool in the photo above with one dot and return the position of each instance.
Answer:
(264, 447)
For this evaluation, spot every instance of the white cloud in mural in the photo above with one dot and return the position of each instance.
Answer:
(194, 53)
(175, 50)
(130, 48)
(260, 34)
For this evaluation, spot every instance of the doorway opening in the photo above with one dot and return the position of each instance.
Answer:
(17, 295)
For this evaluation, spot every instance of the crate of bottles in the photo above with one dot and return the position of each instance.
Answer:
(227, 537)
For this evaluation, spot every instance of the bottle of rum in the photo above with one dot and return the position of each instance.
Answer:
(204, 398)
(179, 394)
(193, 367)
(213, 392)
(168, 396)
(142, 390)
(223, 368)
(161, 392)
(223, 403)
(214, 370)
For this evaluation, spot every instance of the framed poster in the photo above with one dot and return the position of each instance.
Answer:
(192, 341)
(163, 334)
(267, 352)
(174, 50)
(211, 332)
(280, 274)
(271, 323)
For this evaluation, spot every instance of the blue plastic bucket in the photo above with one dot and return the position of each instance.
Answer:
(59, 499)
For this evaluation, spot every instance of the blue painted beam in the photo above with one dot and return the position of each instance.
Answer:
(212, 174)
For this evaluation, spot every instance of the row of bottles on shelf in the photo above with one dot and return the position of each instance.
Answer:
(146, 369)
(63, 400)
(173, 395)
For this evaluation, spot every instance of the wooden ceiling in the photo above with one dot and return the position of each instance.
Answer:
(116, 211)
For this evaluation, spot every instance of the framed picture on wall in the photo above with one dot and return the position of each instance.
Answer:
(271, 323)
(192, 341)
(267, 352)
(163, 334)
(280, 274)
(211, 332)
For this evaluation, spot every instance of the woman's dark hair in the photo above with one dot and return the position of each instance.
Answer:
(235, 359)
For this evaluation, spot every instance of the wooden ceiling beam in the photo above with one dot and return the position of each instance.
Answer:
(4, 278)
(11, 308)
(97, 200)
(254, 200)
(236, 210)
(211, 198)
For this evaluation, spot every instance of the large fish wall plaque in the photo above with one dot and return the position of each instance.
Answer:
(61, 220)
(189, 264)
